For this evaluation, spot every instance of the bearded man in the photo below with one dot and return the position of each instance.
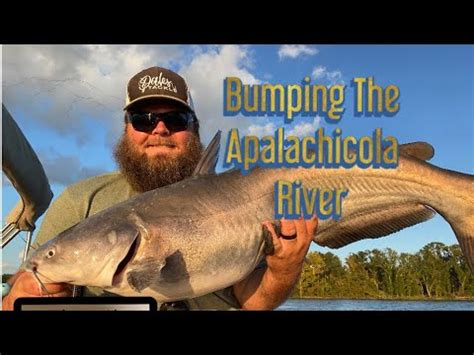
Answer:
(160, 146)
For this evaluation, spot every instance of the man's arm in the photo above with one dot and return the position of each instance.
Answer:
(266, 289)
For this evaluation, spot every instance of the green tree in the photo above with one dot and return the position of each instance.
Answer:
(383, 266)
(5, 277)
(407, 283)
(309, 282)
(436, 270)
(333, 276)
(359, 281)
(460, 274)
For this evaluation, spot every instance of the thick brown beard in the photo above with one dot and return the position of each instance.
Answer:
(145, 174)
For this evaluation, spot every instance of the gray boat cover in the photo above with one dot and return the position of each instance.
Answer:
(23, 168)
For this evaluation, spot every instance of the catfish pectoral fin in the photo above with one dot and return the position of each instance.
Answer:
(144, 274)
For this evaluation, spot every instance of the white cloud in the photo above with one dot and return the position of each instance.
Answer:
(261, 131)
(299, 129)
(304, 128)
(205, 74)
(319, 72)
(66, 169)
(331, 77)
(57, 85)
(295, 51)
(65, 88)
(8, 268)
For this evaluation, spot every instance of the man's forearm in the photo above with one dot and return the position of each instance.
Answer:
(266, 289)
(263, 290)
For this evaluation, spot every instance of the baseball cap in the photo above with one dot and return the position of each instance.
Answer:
(160, 83)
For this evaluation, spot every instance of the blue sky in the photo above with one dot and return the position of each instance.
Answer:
(68, 101)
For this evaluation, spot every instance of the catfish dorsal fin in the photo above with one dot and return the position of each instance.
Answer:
(207, 164)
(419, 150)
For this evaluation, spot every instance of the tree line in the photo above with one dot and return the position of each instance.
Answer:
(435, 271)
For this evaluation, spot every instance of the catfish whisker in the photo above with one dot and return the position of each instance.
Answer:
(41, 283)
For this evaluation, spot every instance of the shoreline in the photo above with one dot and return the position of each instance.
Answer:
(422, 299)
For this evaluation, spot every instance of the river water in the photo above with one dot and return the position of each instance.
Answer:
(375, 305)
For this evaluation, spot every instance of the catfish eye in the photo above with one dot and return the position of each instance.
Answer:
(51, 253)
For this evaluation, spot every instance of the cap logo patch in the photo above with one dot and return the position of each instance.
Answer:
(156, 83)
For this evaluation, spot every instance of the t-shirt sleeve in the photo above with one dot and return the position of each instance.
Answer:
(61, 214)
(219, 300)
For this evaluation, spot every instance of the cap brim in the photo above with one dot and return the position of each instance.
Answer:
(148, 97)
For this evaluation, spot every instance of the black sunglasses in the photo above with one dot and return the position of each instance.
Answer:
(175, 121)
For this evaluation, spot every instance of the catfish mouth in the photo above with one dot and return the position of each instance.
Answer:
(120, 271)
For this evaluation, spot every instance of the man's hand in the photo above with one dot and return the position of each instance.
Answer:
(268, 288)
(24, 284)
(290, 247)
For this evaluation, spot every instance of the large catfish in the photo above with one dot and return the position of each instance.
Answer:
(205, 233)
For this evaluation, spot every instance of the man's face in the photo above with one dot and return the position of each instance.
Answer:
(159, 156)
(160, 141)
